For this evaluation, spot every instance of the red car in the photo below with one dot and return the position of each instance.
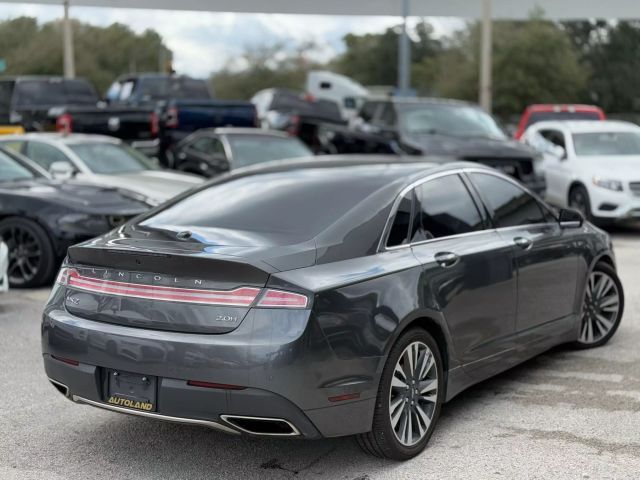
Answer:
(538, 113)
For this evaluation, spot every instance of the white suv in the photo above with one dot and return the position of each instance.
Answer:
(591, 165)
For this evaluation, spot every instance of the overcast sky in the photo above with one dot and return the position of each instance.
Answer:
(204, 42)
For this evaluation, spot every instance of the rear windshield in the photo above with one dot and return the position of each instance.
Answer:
(536, 117)
(111, 159)
(252, 149)
(299, 204)
(174, 88)
(53, 92)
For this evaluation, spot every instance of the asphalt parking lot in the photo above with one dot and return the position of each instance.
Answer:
(564, 415)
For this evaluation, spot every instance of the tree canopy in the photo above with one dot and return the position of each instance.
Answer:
(101, 53)
(533, 61)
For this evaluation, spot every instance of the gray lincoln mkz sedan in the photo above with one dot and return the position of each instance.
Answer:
(326, 298)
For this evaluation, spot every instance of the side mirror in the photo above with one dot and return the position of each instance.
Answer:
(570, 218)
(558, 151)
(61, 170)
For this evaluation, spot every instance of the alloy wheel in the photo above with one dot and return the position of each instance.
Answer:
(601, 308)
(414, 394)
(25, 254)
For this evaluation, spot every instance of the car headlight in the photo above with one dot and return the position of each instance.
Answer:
(615, 185)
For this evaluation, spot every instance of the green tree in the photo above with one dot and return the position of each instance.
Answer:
(372, 58)
(609, 52)
(264, 67)
(101, 53)
(533, 62)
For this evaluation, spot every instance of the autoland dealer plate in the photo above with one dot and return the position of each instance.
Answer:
(131, 390)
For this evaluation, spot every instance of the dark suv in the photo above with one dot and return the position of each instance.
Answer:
(429, 126)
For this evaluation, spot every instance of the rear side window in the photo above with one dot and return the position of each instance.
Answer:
(511, 205)
(445, 208)
(399, 233)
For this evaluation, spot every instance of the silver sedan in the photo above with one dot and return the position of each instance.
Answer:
(102, 160)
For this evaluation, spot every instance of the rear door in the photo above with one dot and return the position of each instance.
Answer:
(467, 272)
(547, 263)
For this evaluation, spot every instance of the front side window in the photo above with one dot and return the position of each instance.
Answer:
(445, 208)
(45, 155)
(511, 205)
(207, 146)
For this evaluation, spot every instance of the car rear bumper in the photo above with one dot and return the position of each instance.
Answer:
(280, 380)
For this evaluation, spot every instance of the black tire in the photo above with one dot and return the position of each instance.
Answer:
(382, 441)
(610, 272)
(24, 238)
(579, 199)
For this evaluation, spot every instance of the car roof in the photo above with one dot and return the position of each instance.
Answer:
(245, 131)
(562, 107)
(66, 139)
(585, 126)
(421, 100)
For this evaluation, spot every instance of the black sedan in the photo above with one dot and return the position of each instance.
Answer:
(322, 299)
(210, 152)
(41, 217)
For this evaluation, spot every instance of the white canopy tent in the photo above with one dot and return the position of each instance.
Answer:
(485, 9)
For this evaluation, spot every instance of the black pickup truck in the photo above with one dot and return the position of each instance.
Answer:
(415, 126)
(150, 111)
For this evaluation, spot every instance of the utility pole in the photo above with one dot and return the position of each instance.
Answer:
(404, 54)
(67, 44)
(486, 62)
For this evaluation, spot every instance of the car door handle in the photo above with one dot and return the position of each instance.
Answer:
(446, 259)
(523, 243)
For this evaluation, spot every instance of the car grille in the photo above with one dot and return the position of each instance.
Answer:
(635, 188)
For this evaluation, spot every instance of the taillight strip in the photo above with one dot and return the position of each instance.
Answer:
(240, 297)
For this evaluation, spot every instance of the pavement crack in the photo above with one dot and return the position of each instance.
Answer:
(275, 464)
(601, 446)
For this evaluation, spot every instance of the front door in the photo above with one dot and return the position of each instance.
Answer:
(467, 272)
(547, 264)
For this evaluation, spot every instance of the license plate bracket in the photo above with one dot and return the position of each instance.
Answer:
(131, 390)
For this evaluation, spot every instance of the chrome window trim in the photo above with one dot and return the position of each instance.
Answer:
(382, 247)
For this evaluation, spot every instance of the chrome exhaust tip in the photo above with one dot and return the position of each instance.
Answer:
(61, 387)
(274, 427)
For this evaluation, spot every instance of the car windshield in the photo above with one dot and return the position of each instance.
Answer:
(607, 143)
(12, 170)
(111, 158)
(54, 92)
(252, 149)
(454, 120)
